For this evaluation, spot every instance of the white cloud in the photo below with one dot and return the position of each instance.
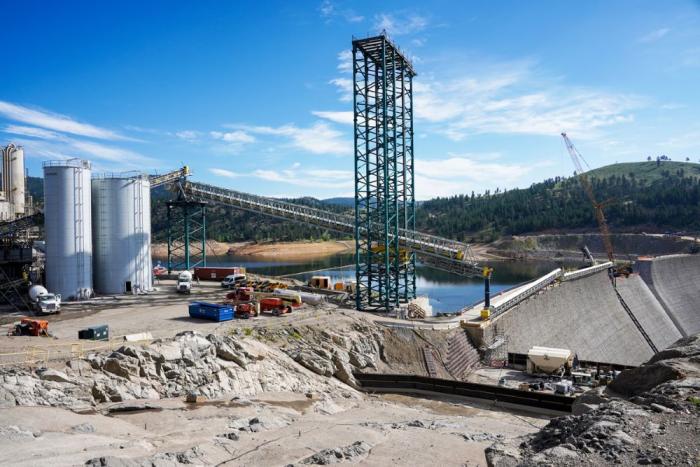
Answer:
(343, 117)
(329, 10)
(344, 86)
(56, 122)
(508, 98)
(295, 175)
(188, 135)
(113, 154)
(345, 61)
(233, 136)
(401, 24)
(460, 174)
(319, 138)
(654, 35)
(59, 146)
(31, 132)
(224, 173)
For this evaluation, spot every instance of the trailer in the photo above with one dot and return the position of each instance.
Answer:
(217, 273)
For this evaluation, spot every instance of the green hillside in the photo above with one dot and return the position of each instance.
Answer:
(647, 172)
(644, 197)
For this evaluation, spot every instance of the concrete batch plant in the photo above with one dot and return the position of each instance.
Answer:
(98, 231)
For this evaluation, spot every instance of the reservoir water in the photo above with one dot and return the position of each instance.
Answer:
(448, 292)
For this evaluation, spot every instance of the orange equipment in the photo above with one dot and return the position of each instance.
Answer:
(274, 305)
(31, 327)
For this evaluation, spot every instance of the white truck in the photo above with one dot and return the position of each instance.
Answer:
(43, 302)
(184, 282)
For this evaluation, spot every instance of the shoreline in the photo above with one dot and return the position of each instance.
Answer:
(272, 250)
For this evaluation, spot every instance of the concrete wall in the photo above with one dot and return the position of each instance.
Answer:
(648, 311)
(583, 315)
(675, 279)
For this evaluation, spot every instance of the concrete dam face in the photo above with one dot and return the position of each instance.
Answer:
(675, 281)
(654, 309)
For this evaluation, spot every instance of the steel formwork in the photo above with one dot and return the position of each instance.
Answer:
(187, 235)
(384, 182)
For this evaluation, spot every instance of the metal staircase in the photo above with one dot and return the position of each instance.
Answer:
(438, 252)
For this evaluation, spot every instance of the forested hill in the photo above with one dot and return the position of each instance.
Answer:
(643, 196)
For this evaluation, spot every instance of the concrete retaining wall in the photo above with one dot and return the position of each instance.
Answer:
(675, 279)
(583, 315)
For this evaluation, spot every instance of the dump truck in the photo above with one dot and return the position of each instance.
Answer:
(43, 302)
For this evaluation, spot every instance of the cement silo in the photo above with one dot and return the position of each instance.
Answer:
(12, 190)
(16, 155)
(121, 214)
(68, 228)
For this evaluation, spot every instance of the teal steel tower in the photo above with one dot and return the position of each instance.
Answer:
(384, 180)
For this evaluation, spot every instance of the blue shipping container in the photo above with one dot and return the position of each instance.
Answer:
(210, 311)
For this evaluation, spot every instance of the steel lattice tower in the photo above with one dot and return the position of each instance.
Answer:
(384, 184)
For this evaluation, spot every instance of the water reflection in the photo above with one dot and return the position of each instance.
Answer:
(448, 292)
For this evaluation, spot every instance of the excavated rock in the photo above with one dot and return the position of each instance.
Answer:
(210, 365)
(342, 454)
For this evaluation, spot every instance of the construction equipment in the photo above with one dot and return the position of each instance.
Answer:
(275, 306)
(184, 282)
(31, 327)
(486, 274)
(43, 302)
(587, 254)
(576, 158)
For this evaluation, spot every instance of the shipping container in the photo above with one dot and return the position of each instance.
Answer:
(216, 274)
(210, 311)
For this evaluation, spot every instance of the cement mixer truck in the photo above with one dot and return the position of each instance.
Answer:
(43, 302)
(184, 282)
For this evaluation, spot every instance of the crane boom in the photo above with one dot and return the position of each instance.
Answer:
(588, 188)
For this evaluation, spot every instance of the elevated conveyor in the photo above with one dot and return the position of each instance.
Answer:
(436, 251)
(10, 228)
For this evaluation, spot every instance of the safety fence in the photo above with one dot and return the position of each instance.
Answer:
(41, 355)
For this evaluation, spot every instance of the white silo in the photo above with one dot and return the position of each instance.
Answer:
(17, 179)
(121, 215)
(68, 228)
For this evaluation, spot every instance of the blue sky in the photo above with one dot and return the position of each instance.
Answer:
(254, 95)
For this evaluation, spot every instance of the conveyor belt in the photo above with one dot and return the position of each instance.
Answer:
(438, 252)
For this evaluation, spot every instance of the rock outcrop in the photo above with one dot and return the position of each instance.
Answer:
(209, 365)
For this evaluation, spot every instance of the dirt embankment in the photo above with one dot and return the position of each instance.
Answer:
(274, 250)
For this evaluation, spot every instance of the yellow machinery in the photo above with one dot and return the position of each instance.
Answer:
(404, 256)
(486, 274)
